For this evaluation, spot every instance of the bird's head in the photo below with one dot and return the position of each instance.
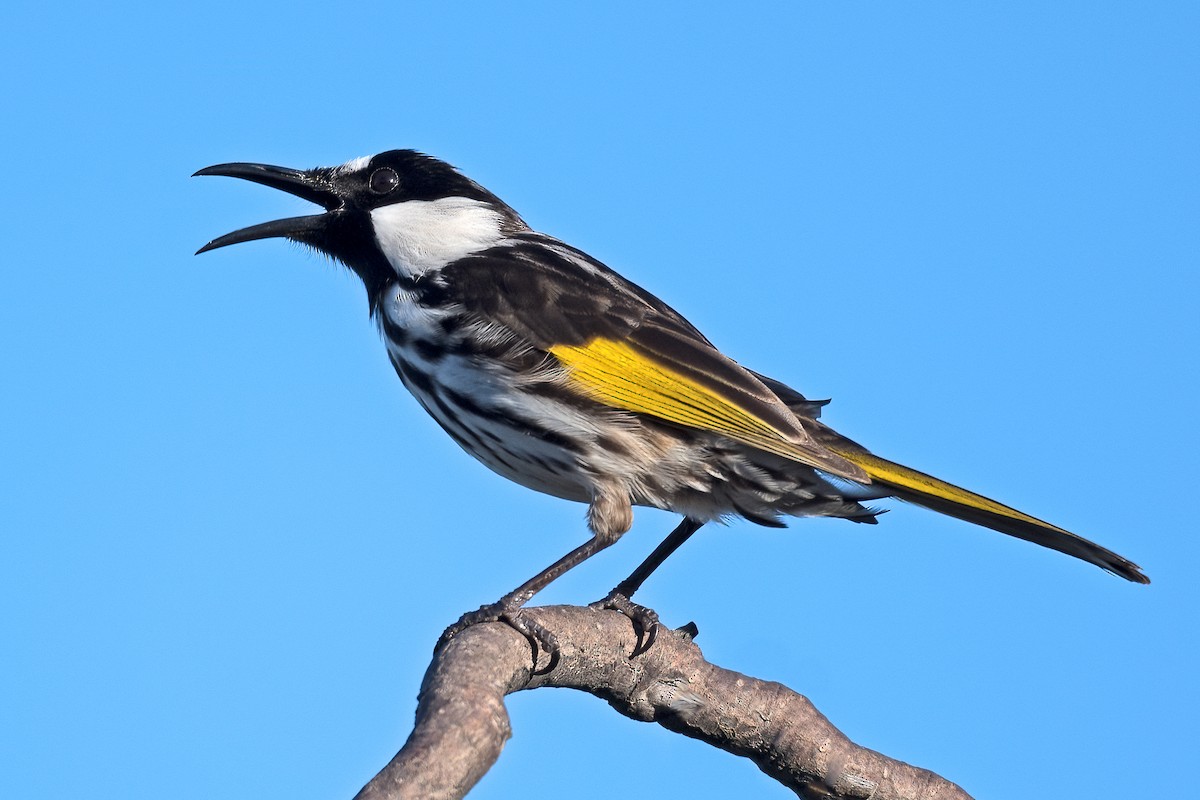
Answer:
(399, 213)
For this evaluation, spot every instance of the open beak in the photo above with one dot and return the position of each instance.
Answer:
(313, 186)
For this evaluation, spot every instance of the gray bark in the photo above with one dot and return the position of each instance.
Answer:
(461, 722)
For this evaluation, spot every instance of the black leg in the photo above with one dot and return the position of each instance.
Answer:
(669, 545)
(645, 620)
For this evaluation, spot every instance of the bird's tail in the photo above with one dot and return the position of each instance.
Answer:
(932, 493)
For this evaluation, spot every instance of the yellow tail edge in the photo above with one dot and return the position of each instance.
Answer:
(938, 495)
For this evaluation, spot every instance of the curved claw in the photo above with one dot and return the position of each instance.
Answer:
(540, 639)
(645, 621)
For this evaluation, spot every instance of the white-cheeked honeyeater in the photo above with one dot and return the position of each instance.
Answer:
(562, 375)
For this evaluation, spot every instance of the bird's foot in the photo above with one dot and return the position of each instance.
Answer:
(645, 621)
(540, 638)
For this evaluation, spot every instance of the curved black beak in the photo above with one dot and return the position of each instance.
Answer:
(313, 185)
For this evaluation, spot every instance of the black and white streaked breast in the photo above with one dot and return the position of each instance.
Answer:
(482, 388)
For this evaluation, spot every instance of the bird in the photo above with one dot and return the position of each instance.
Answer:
(564, 376)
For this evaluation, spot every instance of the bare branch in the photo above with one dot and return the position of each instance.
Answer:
(462, 724)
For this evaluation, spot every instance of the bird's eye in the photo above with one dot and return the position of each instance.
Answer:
(383, 180)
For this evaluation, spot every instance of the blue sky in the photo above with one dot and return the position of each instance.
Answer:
(229, 539)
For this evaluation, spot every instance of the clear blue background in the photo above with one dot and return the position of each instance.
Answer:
(230, 539)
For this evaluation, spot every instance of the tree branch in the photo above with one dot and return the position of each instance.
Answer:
(462, 724)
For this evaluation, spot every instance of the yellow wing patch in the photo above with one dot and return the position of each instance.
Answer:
(618, 375)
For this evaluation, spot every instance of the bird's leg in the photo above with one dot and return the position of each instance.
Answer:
(619, 598)
(673, 542)
(609, 516)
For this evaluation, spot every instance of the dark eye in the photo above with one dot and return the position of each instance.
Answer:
(383, 180)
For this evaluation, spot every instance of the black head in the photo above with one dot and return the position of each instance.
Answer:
(348, 194)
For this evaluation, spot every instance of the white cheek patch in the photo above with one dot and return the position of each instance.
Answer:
(421, 235)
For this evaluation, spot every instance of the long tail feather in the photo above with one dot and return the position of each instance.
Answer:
(932, 493)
